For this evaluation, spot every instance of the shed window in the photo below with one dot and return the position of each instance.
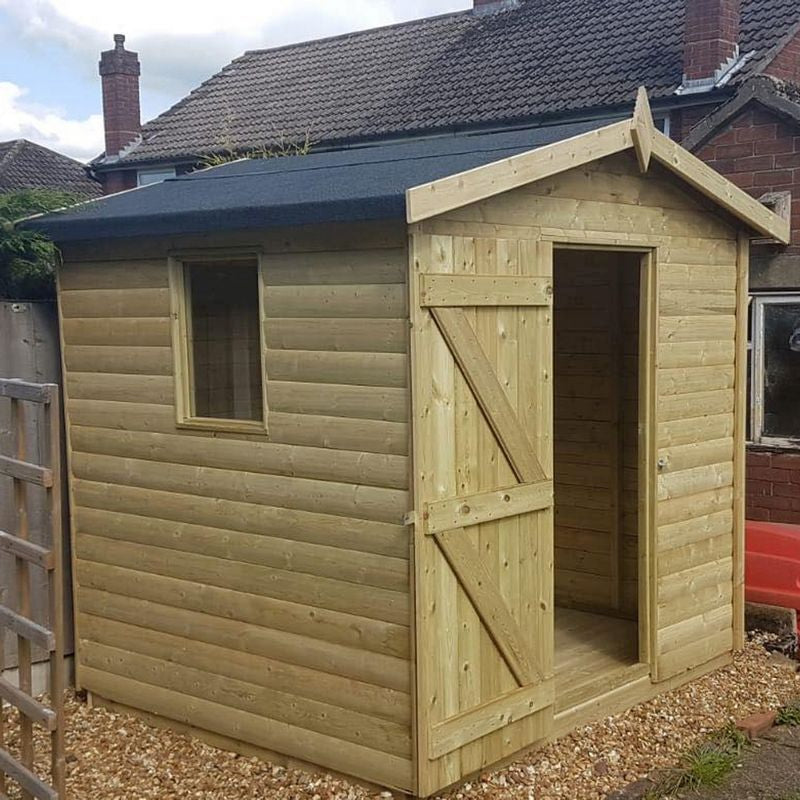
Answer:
(220, 349)
(774, 350)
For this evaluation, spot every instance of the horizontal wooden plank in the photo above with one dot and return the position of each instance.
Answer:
(327, 751)
(688, 380)
(24, 471)
(697, 454)
(127, 360)
(333, 400)
(336, 266)
(690, 301)
(386, 301)
(474, 724)
(327, 497)
(272, 705)
(22, 548)
(689, 482)
(28, 629)
(345, 335)
(695, 354)
(119, 332)
(699, 404)
(368, 469)
(474, 509)
(250, 605)
(349, 533)
(358, 600)
(694, 430)
(694, 505)
(697, 328)
(340, 433)
(119, 302)
(316, 654)
(338, 690)
(130, 274)
(151, 389)
(706, 278)
(25, 778)
(251, 548)
(362, 369)
(484, 290)
(704, 551)
(29, 706)
(24, 390)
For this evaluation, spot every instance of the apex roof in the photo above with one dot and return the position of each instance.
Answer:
(27, 165)
(534, 60)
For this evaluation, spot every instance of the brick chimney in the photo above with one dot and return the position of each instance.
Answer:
(119, 70)
(711, 39)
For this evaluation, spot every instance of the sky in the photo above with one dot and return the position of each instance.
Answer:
(49, 49)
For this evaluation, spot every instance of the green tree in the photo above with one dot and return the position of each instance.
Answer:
(27, 258)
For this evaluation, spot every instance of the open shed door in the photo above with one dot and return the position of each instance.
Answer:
(483, 419)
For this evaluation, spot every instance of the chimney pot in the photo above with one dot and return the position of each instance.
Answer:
(119, 72)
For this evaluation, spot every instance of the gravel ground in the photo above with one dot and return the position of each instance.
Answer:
(118, 757)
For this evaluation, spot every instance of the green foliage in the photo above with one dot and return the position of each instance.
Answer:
(789, 714)
(706, 764)
(279, 150)
(27, 259)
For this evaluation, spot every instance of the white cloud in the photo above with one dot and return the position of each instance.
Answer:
(21, 119)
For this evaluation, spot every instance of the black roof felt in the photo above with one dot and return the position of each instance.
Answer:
(358, 184)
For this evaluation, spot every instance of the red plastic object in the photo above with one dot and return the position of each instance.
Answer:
(772, 564)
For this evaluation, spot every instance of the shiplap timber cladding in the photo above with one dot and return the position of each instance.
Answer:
(370, 585)
(256, 586)
(687, 327)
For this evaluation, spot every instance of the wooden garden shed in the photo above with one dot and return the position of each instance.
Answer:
(400, 460)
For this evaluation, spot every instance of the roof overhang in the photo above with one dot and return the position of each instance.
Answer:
(637, 133)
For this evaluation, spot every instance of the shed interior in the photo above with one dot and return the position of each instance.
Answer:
(596, 310)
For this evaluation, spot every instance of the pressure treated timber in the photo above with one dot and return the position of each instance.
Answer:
(483, 290)
(482, 720)
(462, 512)
(329, 562)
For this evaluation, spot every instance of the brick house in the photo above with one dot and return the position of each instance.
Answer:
(723, 78)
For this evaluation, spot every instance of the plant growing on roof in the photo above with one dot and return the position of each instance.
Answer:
(281, 148)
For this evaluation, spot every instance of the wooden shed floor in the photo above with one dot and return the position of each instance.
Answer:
(594, 654)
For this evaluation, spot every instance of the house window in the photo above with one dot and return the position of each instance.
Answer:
(217, 310)
(144, 177)
(774, 363)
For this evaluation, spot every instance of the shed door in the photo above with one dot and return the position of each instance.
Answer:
(482, 389)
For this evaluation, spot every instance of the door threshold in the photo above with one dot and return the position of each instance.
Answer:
(570, 696)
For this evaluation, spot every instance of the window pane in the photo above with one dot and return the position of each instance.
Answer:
(226, 358)
(782, 370)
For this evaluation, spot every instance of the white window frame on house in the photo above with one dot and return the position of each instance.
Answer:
(146, 177)
(182, 345)
(755, 345)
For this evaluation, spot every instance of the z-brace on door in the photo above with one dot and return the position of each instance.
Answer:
(483, 419)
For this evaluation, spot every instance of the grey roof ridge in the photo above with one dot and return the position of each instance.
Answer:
(355, 34)
(761, 88)
(200, 90)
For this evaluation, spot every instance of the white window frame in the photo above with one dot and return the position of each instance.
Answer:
(758, 301)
